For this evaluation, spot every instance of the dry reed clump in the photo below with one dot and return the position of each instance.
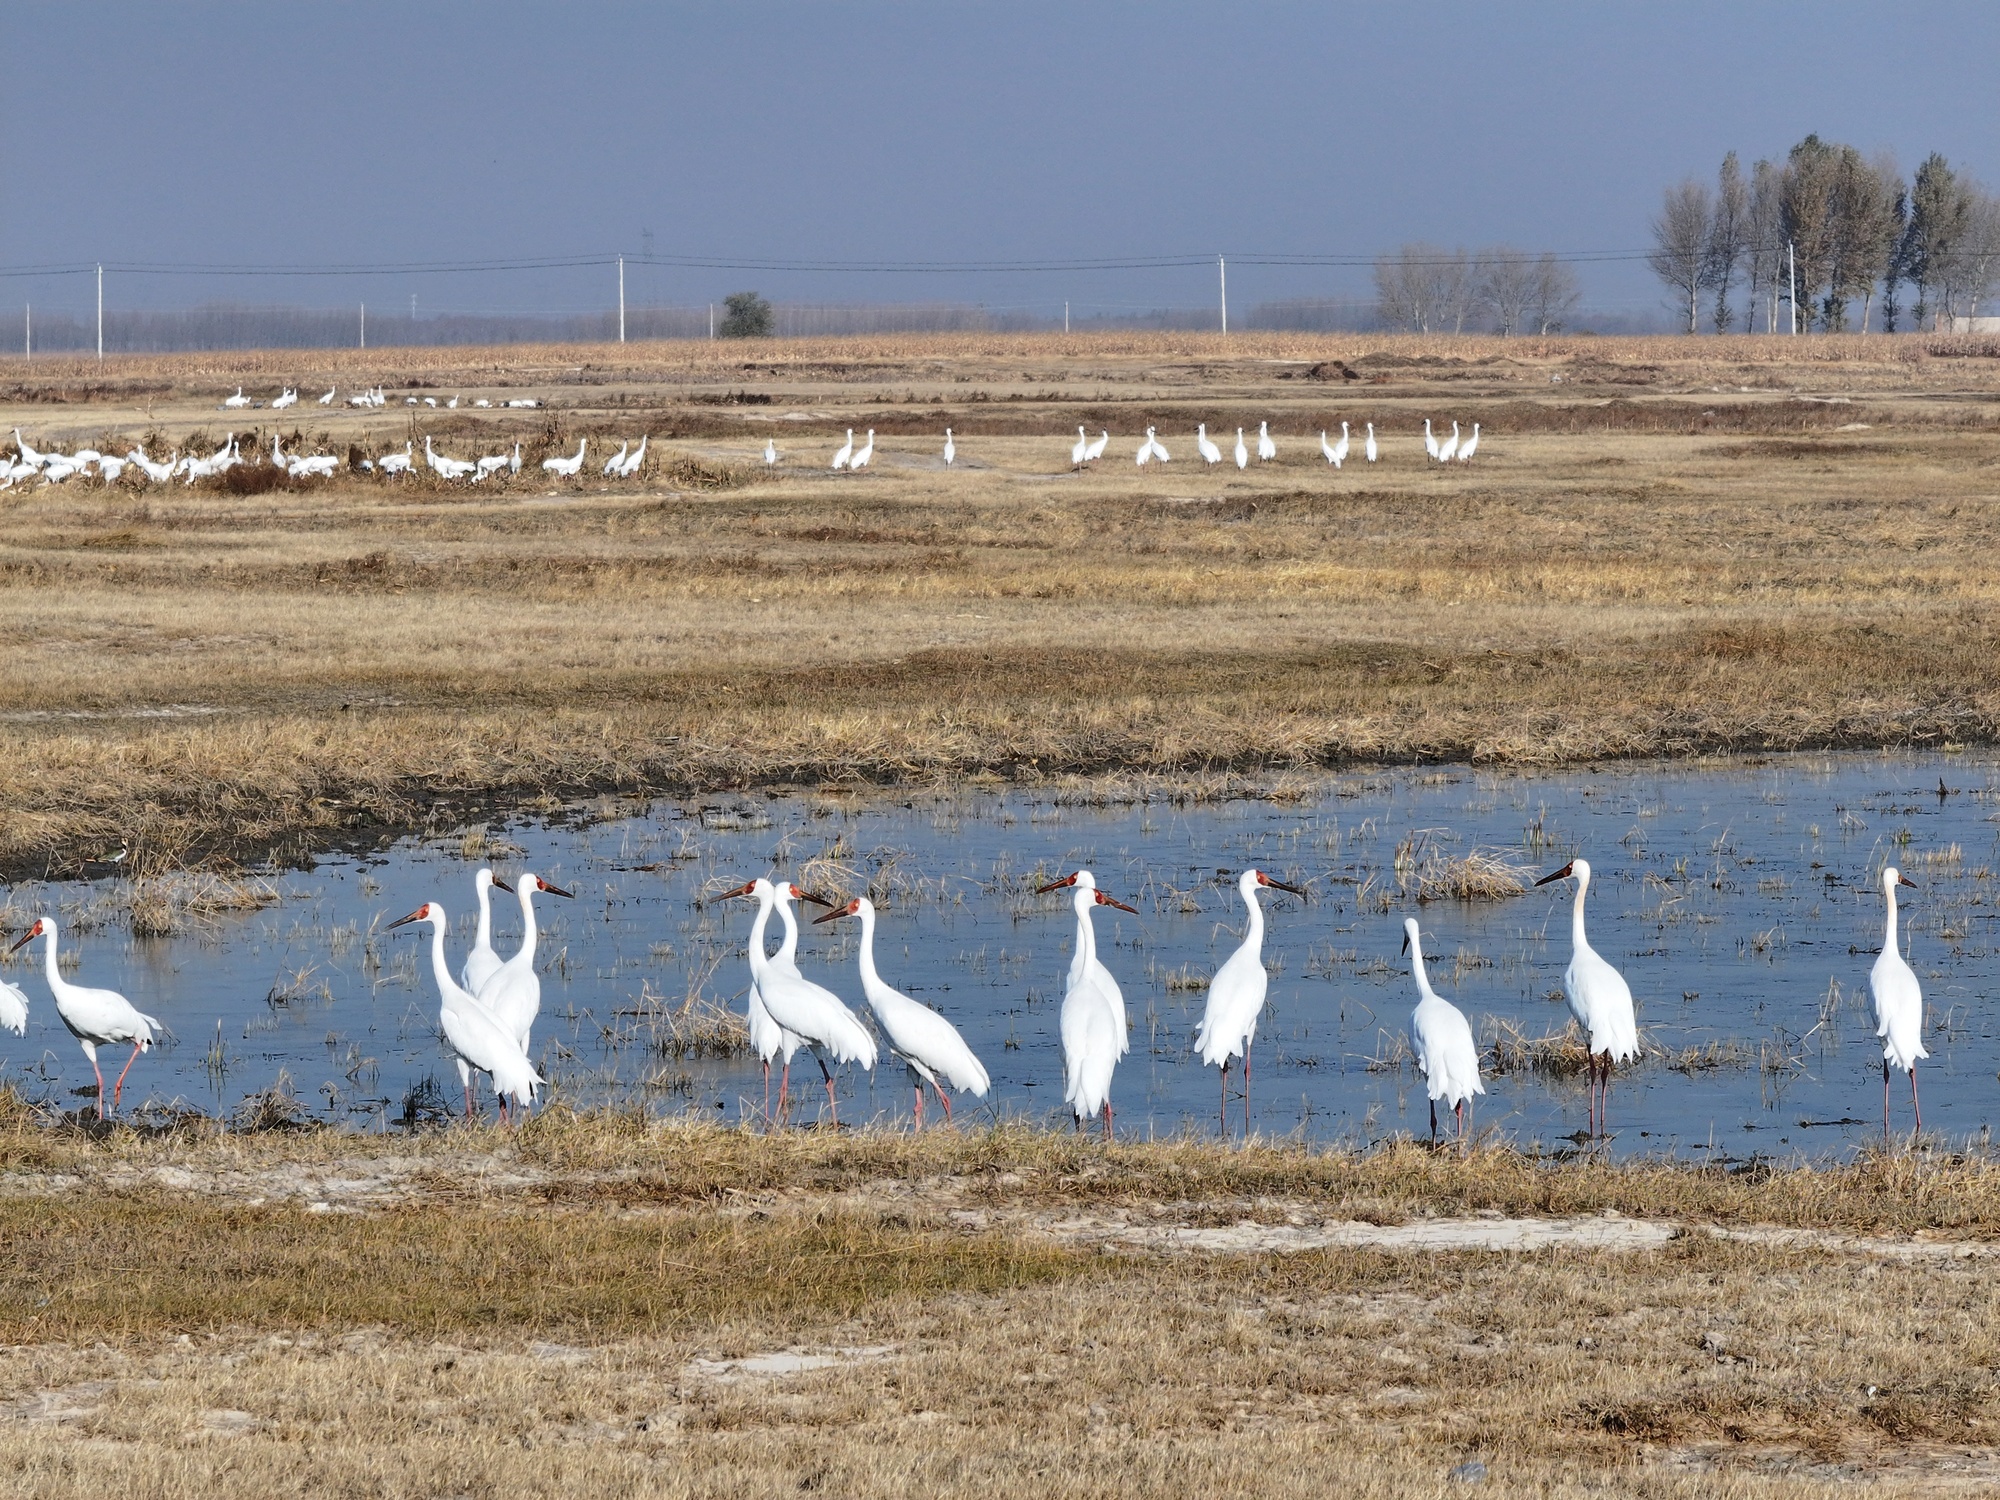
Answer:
(168, 905)
(699, 1026)
(1509, 1049)
(1426, 872)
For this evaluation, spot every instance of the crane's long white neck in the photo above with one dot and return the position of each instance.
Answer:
(1424, 990)
(1086, 935)
(57, 982)
(1888, 936)
(1254, 939)
(1576, 915)
(448, 989)
(787, 951)
(758, 958)
(870, 978)
(484, 937)
(527, 893)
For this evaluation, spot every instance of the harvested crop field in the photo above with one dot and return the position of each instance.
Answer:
(595, 1306)
(1662, 547)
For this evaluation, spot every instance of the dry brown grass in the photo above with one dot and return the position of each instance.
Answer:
(555, 1313)
(1645, 559)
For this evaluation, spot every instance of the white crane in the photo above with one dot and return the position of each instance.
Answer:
(1077, 449)
(96, 1018)
(327, 399)
(1439, 1032)
(1145, 454)
(109, 468)
(447, 468)
(452, 404)
(1471, 445)
(482, 963)
(1448, 449)
(1266, 449)
(483, 404)
(490, 465)
(430, 401)
(1202, 444)
(237, 401)
(1327, 448)
(950, 449)
(514, 462)
(928, 1044)
(1236, 997)
(567, 468)
(1598, 997)
(13, 1008)
(1430, 439)
(1899, 1007)
(810, 1012)
(770, 453)
(158, 473)
(477, 1038)
(397, 463)
(846, 451)
(289, 397)
(631, 465)
(514, 992)
(1339, 454)
(767, 1037)
(616, 463)
(1368, 449)
(28, 455)
(1242, 453)
(1096, 450)
(864, 453)
(1093, 1010)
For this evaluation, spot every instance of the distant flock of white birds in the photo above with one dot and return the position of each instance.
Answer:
(287, 397)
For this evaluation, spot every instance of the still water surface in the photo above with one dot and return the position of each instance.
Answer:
(1740, 898)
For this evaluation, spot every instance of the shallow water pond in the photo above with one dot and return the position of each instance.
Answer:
(1740, 898)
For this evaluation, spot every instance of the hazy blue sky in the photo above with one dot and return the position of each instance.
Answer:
(358, 132)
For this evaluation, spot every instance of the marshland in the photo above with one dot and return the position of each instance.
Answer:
(1714, 612)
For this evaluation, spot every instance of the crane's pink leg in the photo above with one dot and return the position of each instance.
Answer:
(1604, 1100)
(1107, 1119)
(767, 1089)
(920, 1107)
(1434, 1122)
(784, 1089)
(945, 1100)
(1916, 1105)
(1246, 1090)
(832, 1108)
(100, 1089)
(468, 1098)
(1458, 1112)
(1885, 1101)
(119, 1087)
(1222, 1109)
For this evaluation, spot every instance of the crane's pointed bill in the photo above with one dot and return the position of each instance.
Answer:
(1278, 885)
(812, 896)
(1104, 900)
(501, 885)
(749, 889)
(553, 890)
(416, 916)
(1406, 944)
(1562, 874)
(1902, 879)
(1055, 885)
(852, 908)
(26, 938)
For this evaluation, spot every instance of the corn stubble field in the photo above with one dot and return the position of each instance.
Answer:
(1663, 547)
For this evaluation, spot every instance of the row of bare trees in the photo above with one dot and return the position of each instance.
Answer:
(1428, 289)
(1821, 231)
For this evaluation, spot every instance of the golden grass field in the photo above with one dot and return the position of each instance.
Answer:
(604, 1307)
(1664, 547)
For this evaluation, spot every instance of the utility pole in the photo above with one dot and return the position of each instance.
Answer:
(364, 325)
(28, 331)
(1792, 255)
(711, 321)
(100, 314)
(621, 299)
(1065, 315)
(1222, 276)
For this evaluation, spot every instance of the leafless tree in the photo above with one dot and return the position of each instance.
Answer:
(1765, 242)
(1506, 287)
(1554, 296)
(1728, 233)
(1424, 288)
(1814, 177)
(1680, 255)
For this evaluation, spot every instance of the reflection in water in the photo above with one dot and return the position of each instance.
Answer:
(1740, 899)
